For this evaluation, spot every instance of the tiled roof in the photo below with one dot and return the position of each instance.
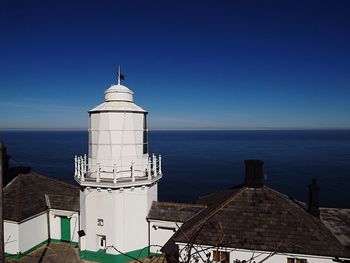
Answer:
(337, 220)
(178, 212)
(259, 219)
(65, 202)
(218, 197)
(24, 196)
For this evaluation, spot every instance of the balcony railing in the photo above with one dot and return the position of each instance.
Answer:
(85, 172)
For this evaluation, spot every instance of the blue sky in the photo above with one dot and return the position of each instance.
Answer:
(192, 64)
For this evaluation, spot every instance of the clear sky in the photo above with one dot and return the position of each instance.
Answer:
(192, 64)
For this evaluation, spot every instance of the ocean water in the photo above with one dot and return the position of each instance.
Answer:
(199, 162)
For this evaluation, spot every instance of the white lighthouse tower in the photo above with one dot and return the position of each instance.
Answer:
(118, 179)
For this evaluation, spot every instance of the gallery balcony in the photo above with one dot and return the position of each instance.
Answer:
(115, 176)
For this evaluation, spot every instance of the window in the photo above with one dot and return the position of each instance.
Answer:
(220, 256)
(145, 135)
(296, 260)
(101, 241)
(99, 222)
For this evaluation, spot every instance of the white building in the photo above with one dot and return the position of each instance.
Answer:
(254, 223)
(118, 180)
(39, 210)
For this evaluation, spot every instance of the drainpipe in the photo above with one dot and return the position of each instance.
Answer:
(149, 238)
(79, 242)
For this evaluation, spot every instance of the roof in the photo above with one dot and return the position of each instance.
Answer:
(216, 197)
(119, 88)
(118, 98)
(124, 106)
(178, 212)
(24, 196)
(337, 220)
(259, 219)
(118, 92)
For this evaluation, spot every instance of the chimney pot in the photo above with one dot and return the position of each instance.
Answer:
(254, 175)
(314, 199)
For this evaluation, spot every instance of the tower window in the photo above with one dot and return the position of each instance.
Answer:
(145, 134)
(100, 222)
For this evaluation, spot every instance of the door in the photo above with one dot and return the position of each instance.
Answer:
(65, 229)
(101, 242)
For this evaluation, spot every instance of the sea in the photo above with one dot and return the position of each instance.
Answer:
(196, 163)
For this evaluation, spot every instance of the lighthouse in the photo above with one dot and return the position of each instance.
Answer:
(118, 179)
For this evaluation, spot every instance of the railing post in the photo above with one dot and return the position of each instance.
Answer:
(98, 173)
(149, 169)
(83, 177)
(85, 163)
(82, 166)
(75, 166)
(154, 165)
(132, 173)
(114, 173)
(78, 166)
(160, 165)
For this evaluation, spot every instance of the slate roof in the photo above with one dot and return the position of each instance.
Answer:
(178, 212)
(259, 219)
(218, 197)
(337, 220)
(24, 196)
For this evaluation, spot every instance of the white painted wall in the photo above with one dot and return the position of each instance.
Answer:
(11, 237)
(74, 227)
(55, 224)
(83, 214)
(32, 232)
(21, 237)
(124, 215)
(152, 195)
(161, 232)
(242, 254)
(136, 207)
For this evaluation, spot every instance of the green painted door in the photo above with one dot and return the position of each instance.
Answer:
(65, 229)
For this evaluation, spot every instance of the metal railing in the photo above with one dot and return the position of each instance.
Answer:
(83, 170)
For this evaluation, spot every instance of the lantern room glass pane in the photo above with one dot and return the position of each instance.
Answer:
(145, 135)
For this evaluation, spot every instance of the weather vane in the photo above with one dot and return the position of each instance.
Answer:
(120, 76)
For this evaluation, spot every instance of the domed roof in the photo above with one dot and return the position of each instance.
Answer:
(118, 98)
(118, 93)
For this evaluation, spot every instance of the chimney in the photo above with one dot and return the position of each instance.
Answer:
(4, 165)
(314, 199)
(254, 176)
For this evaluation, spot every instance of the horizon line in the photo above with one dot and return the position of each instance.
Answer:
(238, 129)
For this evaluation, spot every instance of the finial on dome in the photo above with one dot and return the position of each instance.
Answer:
(120, 76)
